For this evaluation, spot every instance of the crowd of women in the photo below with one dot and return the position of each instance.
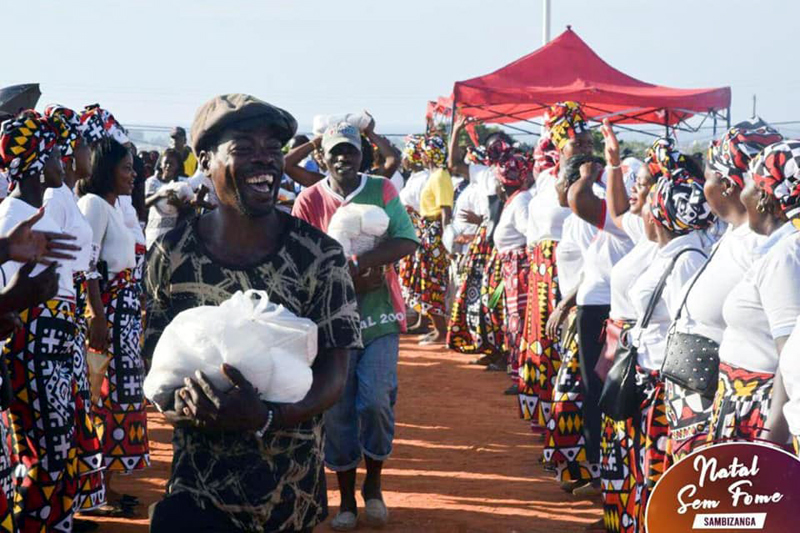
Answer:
(641, 308)
(72, 373)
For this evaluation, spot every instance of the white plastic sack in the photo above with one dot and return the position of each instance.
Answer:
(321, 122)
(184, 192)
(358, 227)
(272, 347)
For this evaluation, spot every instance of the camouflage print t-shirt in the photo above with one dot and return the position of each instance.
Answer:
(277, 484)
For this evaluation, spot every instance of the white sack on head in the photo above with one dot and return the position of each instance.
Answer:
(321, 122)
(267, 343)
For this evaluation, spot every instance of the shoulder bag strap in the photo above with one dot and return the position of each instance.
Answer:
(694, 280)
(656, 296)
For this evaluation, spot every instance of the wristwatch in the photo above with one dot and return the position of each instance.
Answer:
(268, 424)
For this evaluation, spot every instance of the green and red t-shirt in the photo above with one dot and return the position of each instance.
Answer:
(382, 310)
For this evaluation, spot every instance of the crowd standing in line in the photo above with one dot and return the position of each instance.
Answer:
(555, 264)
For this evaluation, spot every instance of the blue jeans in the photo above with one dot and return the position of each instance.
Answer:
(362, 421)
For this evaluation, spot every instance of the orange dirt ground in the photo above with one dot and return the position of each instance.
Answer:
(463, 461)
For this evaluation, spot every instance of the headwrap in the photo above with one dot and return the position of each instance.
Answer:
(678, 203)
(514, 168)
(565, 121)
(545, 155)
(731, 155)
(100, 124)
(67, 125)
(489, 155)
(413, 149)
(777, 171)
(25, 144)
(630, 171)
(662, 158)
(476, 155)
(435, 150)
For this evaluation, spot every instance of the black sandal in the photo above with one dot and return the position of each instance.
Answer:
(110, 510)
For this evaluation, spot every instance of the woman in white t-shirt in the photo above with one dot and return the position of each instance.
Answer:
(565, 445)
(592, 294)
(115, 317)
(674, 217)
(513, 178)
(688, 411)
(761, 310)
(474, 327)
(539, 360)
(61, 204)
(39, 355)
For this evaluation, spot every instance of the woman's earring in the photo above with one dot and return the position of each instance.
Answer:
(41, 178)
(726, 193)
(760, 208)
(74, 165)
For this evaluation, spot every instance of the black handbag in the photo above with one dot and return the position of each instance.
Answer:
(691, 360)
(620, 397)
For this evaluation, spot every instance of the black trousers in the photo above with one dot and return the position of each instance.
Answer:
(591, 319)
(178, 513)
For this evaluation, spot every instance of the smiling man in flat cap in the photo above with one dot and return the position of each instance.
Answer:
(242, 464)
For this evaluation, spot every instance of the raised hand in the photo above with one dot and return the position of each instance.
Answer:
(461, 121)
(611, 143)
(24, 244)
(370, 128)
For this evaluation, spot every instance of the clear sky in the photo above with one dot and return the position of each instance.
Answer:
(154, 62)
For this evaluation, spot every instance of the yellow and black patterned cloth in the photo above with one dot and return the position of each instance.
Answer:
(25, 144)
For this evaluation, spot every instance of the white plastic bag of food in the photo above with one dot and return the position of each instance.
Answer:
(182, 190)
(358, 227)
(267, 343)
(321, 122)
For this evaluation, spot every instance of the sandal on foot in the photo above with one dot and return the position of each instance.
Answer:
(344, 521)
(376, 514)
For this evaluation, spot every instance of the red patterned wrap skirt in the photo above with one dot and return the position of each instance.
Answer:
(122, 416)
(539, 358)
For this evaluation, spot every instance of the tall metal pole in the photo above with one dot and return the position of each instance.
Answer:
(545, 22)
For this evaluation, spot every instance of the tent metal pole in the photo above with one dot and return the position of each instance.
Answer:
(545, 22)
(715, 123)
(453, 115)
(728, 118)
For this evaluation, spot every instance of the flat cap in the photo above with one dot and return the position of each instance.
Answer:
(228, 109)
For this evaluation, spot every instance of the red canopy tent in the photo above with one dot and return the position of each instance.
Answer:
(567, 69)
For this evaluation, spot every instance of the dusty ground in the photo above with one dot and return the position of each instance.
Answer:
(463, 460)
